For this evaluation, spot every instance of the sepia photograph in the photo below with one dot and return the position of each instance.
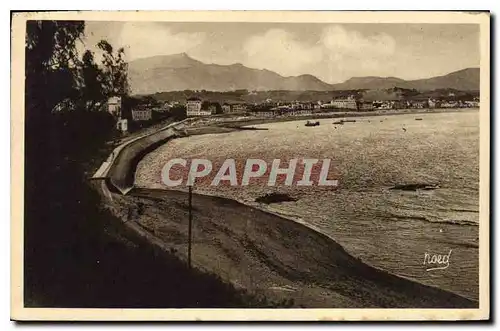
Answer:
(307, 165)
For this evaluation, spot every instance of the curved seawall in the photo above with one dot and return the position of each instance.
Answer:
(123, 162)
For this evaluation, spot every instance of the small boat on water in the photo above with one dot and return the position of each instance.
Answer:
(418, 119)
(341, 122)
(312, 123)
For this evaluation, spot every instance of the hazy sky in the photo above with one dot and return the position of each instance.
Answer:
(331, 52)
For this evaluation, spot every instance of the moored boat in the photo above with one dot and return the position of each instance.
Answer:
(312, 123)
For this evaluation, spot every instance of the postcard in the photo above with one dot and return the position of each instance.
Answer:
(250, 166)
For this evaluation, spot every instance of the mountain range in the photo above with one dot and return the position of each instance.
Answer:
(181, 72)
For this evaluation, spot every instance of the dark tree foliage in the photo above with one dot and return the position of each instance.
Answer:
(178, 112)
(51, 60)
(58, 144)
(92, 95)
(218, 107)
(115, 69)
(205, 104)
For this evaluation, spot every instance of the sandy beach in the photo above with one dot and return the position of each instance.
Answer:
(273, 256)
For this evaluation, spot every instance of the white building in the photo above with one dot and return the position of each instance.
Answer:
(264, 113)
(472, 104)
(239, 108)
(234, 108)
(226, 108)
(345, 103)
(193, 108)
(142, 114)
(449, 104)
(122, 125)
(115, 106)
(431, 103)
(299, 112)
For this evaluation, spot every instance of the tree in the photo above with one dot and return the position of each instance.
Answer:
(58, 80)
(149, 100)
(205, 104)
(56, 75)
(92, 93)
(218, 107)
(51, 61)
(178, 112)
(115, 70)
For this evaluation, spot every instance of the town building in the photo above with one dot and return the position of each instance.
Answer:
(264, 112)
(239, 108)
(226, 108)
(115, 106)
(282, 109)
(471, 104)
(449, 104)
(366, 106)
(344, 103)
(383, 104)
(300, 112)
(431, 103)
(142, 114)
(122, 125)
(418, 104)
(193, 108)
(301, 105)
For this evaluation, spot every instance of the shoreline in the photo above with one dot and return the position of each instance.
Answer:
(245, 124)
